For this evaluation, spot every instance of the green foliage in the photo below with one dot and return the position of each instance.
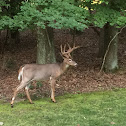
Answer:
(2, 3)
(105, 14)
(8, 9)
(57, 14)
(6, 22)
(61, 14)
(106, 11)
(117, 4)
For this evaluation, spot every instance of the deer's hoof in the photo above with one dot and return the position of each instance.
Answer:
(12, 106)
(31, 102)
(53, 101)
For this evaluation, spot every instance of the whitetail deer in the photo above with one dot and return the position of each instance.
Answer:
(31, 72)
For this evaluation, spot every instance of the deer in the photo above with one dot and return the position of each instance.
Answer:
(41, 72)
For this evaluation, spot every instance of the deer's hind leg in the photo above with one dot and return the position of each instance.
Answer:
(27, 93)
(22, 85)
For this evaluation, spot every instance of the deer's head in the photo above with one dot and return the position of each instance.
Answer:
(66, 54)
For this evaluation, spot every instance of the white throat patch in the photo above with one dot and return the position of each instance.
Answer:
(67, 66)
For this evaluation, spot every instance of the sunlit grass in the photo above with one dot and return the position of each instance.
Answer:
(88, 109)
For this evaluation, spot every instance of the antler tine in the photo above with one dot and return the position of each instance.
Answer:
(68, 45)
(75, 47)
(64, 50)
(61, 48)
(71, 49)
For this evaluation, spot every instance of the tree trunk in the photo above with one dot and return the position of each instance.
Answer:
(12, 37)
(101, 51)
(45, 46)
(15, 35)
(111, 60)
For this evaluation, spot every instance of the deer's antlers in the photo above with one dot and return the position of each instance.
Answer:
(67, 53)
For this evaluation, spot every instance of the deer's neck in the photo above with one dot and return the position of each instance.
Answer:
(64, 66)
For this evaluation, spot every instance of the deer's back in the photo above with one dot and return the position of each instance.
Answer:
(41, 71)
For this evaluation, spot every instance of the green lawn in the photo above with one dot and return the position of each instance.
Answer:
(88, 109)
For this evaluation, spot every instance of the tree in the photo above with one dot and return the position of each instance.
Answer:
(8, 9)
(110, 47)
(42, 14)
(109, 15)
(110, 37)
(45, 46)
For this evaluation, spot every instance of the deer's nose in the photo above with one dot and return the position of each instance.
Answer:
(75, 64)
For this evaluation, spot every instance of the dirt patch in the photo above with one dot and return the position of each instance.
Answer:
(83, 78)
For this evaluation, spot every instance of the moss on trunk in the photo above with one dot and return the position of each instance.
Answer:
(45, 46)
(111, 60)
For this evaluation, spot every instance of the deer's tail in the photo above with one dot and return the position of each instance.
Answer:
(20, 73)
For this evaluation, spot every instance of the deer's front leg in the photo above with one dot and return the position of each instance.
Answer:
(52, 82)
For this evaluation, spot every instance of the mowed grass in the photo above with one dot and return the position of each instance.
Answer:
(89, 109)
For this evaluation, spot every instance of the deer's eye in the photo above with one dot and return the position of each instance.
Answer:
(70, 60)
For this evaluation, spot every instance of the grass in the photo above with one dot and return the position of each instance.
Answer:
(88, 109)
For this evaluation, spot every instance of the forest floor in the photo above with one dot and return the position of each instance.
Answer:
(83, 78)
